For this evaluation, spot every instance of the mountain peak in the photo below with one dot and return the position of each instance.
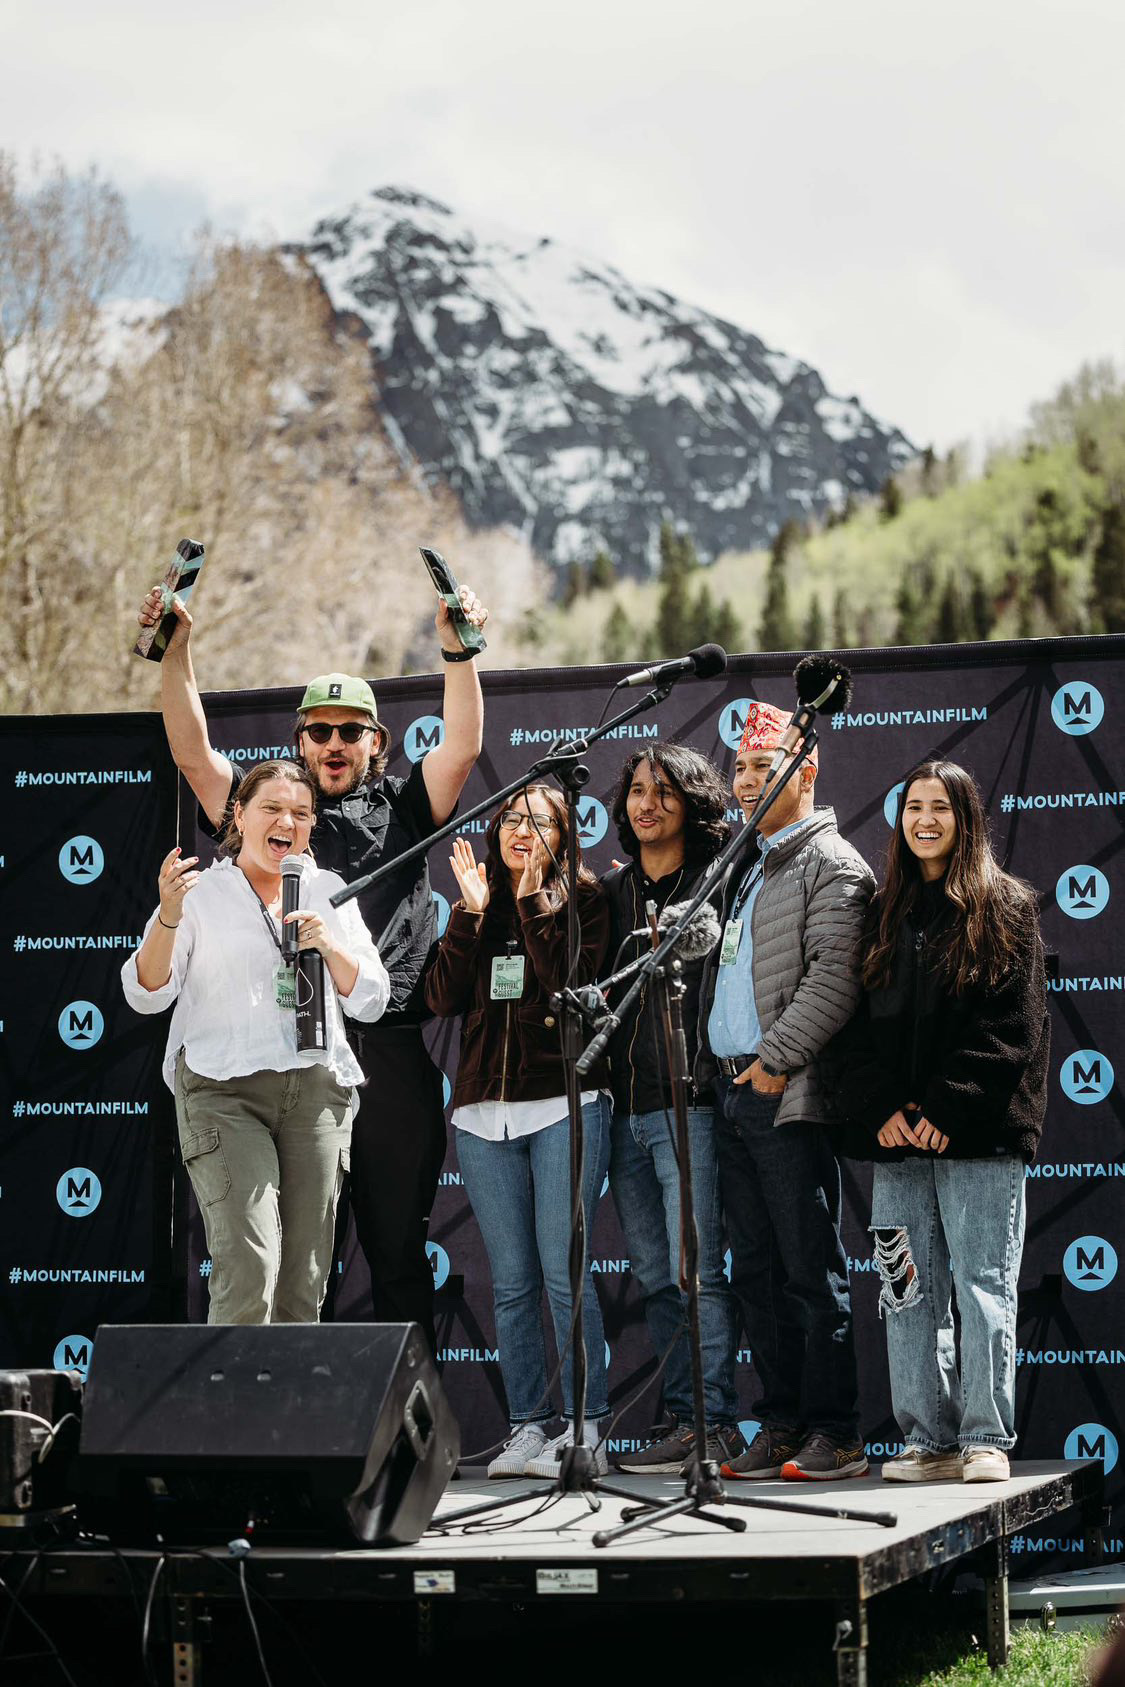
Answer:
(553, 394)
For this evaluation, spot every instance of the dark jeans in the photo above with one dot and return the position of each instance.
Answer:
(789, 1273)
(398, 1146)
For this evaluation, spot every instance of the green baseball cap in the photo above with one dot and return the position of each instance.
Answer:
(339, 691)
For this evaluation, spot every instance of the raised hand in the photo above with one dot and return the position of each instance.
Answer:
(443, 621)
(470, 877)
(152, 612)
(534, 868)
(177, 875)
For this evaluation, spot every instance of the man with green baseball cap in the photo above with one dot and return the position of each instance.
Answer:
(366, 817)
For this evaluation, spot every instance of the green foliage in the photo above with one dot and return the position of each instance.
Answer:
(602, 573)
(619, 640)
(1108, 571)
(890, 499)
(573, 584)
(777, 631)
(815, 631)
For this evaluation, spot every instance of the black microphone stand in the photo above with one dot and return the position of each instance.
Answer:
(577, 1473)
(703, 1484)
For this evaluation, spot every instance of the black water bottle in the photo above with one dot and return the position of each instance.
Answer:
(312, 1024)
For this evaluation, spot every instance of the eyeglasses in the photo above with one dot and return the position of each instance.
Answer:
(513, 820)
(350, 733)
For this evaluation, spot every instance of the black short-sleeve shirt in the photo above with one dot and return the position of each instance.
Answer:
(354, 835)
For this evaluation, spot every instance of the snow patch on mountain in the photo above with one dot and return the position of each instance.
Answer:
(554, 394)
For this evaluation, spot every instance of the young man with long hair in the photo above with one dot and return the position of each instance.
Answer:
(670, 812)
(944, 1068)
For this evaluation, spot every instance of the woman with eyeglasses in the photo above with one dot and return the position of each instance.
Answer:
(503, 955)
(264, 1126)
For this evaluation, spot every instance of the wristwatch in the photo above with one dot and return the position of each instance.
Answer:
(770, 1071)
(457, 655)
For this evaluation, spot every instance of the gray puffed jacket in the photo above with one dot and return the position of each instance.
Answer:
(807, 927)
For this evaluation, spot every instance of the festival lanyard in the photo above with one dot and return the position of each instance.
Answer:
(749, 883)
(267, 916)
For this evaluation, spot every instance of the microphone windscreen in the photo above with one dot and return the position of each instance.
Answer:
(708, 660)
(701, 933)
(814, 674)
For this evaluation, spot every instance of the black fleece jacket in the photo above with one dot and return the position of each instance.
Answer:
(976, 1064)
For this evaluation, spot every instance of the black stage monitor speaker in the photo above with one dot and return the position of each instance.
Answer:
(282, 1432)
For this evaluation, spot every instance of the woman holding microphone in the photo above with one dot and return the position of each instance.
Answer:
(264, 1126)
(503, 955)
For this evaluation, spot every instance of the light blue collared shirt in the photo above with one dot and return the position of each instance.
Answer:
(733, 1026)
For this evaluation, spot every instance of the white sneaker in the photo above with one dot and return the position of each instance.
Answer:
(919, 1464)
(984, 1464)
(524, 1444)
(547, 1462)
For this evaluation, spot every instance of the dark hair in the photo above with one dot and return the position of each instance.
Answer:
(554, 883)
(697, 780)
(231, 841)
(995, 912)
(380, 751)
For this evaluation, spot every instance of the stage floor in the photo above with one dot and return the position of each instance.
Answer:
(519, 1558)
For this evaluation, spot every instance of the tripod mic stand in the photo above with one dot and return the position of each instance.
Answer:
(702, 1481)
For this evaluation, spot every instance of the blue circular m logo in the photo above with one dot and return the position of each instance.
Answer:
(732, 721)
(73, 1354)
(1077, 708)
(81, 1025)
(1092, 1441)
(81, 860)
(423, 735)
(439, 1262)
(1090, 1263)
(1082, 892)
(78, 1191)
(1086, 1077)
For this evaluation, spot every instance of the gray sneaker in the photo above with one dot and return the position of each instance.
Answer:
(523, 1445)
(669, 1445)
(764, 1457)
(725, 1444)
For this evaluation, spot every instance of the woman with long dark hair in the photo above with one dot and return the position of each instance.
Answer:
(503, 955)
(944, 1068)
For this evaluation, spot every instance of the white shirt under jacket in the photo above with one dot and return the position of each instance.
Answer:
(226, 1017)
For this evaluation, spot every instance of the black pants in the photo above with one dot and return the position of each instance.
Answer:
(398, 1146)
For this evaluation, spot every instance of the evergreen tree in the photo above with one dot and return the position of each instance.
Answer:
(572, 584)
(929, 473)
(602, 573)
(1108, 574)
(776, 631)
(840, 636)
(911, 626)
(678, 560)
(727, 629)
(619, 641)
(981, 613)
(850, 508)
(815, 629)
(890, 499)
(950, 627)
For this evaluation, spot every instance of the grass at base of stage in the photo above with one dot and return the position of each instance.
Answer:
(1037, 1659)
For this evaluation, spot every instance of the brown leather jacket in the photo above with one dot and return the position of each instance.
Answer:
(510, 1051)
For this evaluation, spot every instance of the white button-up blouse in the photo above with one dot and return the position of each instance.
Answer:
(226, 1018)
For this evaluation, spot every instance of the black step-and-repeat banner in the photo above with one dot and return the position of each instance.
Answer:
(86, 1130)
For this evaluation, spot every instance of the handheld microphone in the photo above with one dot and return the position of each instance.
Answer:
(824, 686)
(290, 902)
(704, 662)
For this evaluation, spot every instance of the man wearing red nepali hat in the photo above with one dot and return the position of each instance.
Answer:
(783, 981)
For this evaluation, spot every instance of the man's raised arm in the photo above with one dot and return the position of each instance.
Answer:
(207, 772)
(446, 769)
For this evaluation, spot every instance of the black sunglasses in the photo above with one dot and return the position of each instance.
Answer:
(350, 733)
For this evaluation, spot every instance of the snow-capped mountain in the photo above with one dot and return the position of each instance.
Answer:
(552, 393)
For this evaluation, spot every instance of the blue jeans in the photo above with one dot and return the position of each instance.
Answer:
(645, 1180)
(964, 1221)
(789, 1272)
(520, 1193)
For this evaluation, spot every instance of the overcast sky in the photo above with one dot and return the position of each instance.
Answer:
(923, 201)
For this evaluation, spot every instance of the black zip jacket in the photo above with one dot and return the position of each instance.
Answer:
(638, 1065)
(975, 1064)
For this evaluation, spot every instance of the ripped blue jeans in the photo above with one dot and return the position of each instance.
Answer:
(939, 1222)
